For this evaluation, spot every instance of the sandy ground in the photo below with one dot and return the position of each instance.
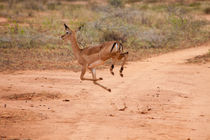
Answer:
(160, 98)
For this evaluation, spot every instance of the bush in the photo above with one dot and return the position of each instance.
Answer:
(34, 5)
(116, 3)
(195, 4)
(23, 37)
(141, 27)
(138, 29)
(111, 35)
(132, 1)
(207, 10)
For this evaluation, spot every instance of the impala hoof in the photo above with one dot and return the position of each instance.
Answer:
(112, 73)
(121, 74)
(109, 90)
(100, 78)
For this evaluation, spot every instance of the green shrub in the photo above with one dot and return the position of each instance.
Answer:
(51, 6)
(1, 6)
(195, 4)
(132, 1)
(112, 35)
(151, 1)
(138, 29)
(26, 38)
(34, 5)
(116, 3)
(207, 10)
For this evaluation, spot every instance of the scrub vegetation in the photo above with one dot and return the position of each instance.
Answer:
(31, 30)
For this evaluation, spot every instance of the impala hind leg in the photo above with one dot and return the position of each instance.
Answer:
(112, 66)
(124, 57)
(95, 64)
(111, 69)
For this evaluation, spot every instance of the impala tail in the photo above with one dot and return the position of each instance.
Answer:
(117, 47)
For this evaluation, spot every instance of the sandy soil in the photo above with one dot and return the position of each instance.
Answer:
(158, 98)
(2, 20)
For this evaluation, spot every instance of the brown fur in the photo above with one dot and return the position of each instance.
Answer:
(92, 57)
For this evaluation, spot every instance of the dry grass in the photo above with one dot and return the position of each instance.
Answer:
(33, 96)
(42, 59)
(15, 115)
(207, 10)
(31, 30)
(201, 59)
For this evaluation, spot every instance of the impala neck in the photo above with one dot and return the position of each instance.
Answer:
(75, 47)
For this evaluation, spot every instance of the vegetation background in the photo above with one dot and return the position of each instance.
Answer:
(30, 30)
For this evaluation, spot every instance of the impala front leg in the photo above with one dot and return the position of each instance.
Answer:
(112, 66)
(83, 73)
(93, 71)
(92, 67)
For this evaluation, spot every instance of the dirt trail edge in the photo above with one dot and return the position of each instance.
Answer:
(158, 98)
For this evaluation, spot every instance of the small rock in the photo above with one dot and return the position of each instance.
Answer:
(111, 115)
(124, 108)
(143, 112)
(3, 136)
(66, 100)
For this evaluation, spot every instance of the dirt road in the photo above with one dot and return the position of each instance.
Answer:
(158, 98)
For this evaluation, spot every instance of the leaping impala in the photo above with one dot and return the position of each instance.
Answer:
(91, 57)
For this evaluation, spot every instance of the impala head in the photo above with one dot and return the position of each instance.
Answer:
(69, 33)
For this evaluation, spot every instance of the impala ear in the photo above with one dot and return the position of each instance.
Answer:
(66, 27)
(79, 28)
